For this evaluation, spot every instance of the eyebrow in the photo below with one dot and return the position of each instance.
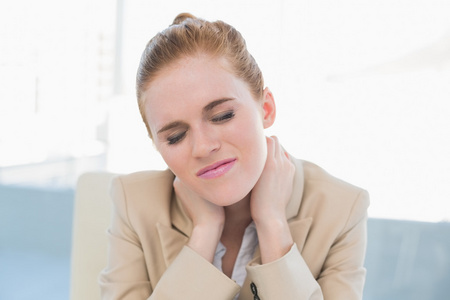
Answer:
(214, 103)
(171, 126)
(210, 106)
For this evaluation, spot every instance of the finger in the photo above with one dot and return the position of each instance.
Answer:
(176, 182)
(270, 147)
(285, 152)
(278, 150)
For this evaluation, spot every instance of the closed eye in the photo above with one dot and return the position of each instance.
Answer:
(223, 117)
(176, 138)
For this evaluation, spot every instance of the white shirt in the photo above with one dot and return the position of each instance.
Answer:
(246, 252)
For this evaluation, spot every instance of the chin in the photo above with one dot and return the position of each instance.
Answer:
(230, 196)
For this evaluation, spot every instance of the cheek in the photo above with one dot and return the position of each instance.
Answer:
(250, 125)
(173, 157)
(253, 143)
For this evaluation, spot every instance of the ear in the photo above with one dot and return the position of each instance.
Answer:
(269, 108)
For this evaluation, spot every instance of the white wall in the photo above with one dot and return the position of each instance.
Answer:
(362, 87)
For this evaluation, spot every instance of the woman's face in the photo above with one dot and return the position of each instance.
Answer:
(208, 127)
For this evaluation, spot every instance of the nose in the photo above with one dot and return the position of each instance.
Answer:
(204, 141)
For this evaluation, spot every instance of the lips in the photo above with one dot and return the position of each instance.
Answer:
(216, 169)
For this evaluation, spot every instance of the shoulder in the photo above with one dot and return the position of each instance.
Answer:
(145, 194)
(143, 183)
(320, 180)
(146, 179)
(330, 197)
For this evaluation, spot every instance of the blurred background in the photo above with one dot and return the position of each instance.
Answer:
(362, 89)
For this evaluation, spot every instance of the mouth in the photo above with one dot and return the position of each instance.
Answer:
(216, 169)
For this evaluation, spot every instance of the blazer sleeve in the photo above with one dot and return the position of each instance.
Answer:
(342, 276)
(126, 277)
(190, 276)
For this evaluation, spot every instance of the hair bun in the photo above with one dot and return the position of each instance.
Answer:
(181, 17)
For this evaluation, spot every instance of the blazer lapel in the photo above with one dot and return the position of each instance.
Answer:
(299, 227)
(175, 235)
(299, 230)
(293, 206)
(172, 241)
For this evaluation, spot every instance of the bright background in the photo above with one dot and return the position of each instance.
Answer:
(362, 88)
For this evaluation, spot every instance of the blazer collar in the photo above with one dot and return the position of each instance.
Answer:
(293, 206)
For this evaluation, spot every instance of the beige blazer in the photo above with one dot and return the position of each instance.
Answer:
(148, 259)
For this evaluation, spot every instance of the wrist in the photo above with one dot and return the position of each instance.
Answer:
(275, 239)
(270, 217)
(204, 240)
(271, 225)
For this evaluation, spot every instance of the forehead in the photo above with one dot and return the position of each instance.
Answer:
(187, 85)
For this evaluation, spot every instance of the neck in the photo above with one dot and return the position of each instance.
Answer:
(238, 214)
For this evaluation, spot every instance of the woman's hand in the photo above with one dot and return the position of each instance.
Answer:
(271, 193)
(208, 220)
(269, 199)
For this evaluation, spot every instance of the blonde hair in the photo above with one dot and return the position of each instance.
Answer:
(188, 36)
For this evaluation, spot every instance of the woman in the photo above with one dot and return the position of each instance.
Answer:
(234, 216)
